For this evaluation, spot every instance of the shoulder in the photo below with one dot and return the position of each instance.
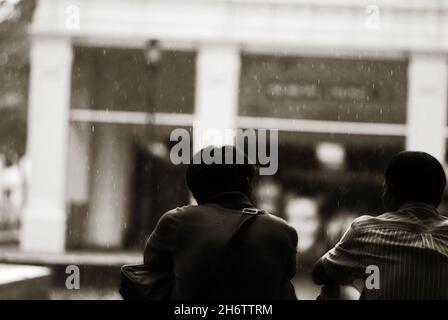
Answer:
(357, 229)
(279, 224)
(177, 213)
(367, 222)
(185, 213)
(386, 218)
(275, 220)
(163, 237)
(364, 221)
(171, 219)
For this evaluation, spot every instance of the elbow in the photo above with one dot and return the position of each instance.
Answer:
(318, 274)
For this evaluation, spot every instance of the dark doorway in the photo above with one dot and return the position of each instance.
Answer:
(158, 186)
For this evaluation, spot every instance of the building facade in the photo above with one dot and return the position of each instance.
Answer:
(345, 71)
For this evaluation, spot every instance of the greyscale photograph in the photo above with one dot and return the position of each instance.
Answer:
(219, 151)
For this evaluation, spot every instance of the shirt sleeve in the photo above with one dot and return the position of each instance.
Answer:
(344, 263)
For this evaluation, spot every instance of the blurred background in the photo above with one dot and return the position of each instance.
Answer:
(90, 91)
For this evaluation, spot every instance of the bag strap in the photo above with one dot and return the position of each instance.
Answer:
(247, 217)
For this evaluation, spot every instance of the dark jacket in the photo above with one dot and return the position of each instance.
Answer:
(190, 241)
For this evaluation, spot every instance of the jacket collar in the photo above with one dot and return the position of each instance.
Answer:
(231, 200)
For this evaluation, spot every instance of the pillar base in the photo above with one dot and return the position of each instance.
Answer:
(43, 231)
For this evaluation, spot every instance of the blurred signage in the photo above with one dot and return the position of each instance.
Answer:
(297, 90)
(291, 90)
(315, 88)
(119, 80)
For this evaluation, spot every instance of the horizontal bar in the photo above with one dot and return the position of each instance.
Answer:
(322, 126)
(116, 117)
(131, 117)
(281, 124)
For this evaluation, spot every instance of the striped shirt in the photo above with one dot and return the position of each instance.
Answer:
(409, 247)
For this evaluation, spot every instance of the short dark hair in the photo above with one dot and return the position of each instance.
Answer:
(416, 176)
(206, 180)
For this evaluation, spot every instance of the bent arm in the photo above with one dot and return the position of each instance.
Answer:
(341, 265)
(162, 243)
(319, 275)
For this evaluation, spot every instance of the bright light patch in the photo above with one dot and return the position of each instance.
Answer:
(331, 155)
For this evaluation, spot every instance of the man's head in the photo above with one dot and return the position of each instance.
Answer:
(413, 177)
(207, 180)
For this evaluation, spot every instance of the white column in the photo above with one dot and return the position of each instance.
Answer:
(427, 104)
(78, 173)
(110, 189)
(43, 223)
(217, 84)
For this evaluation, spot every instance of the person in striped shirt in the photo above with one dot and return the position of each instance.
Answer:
(405, 250)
